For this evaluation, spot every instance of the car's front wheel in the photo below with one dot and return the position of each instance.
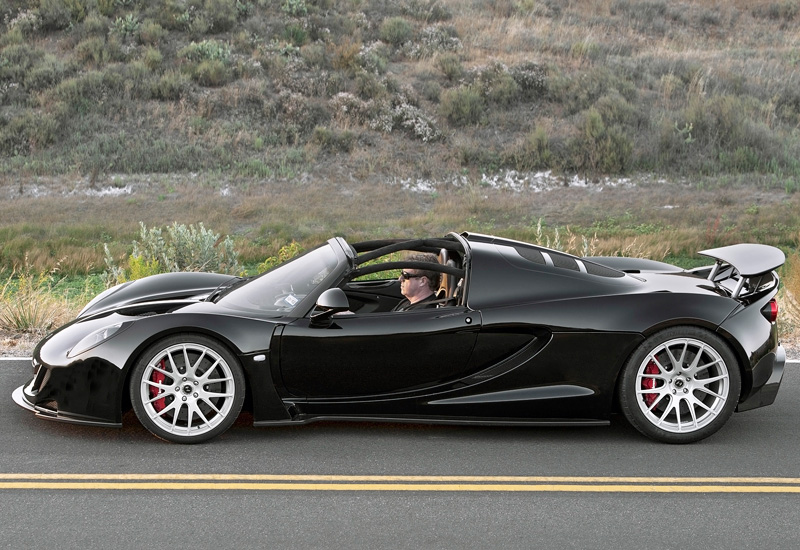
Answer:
(681, 385)
(187, 389)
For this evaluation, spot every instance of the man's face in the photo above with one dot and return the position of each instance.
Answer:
(412, 283)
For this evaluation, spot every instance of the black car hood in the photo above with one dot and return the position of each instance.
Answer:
(166, 286)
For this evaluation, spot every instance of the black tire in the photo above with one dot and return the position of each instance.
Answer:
(681, 385)
(187, 388)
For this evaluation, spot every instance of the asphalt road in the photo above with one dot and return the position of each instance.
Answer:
(368, 485)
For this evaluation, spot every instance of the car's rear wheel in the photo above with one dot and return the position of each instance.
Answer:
(187, 388)
(681, 385)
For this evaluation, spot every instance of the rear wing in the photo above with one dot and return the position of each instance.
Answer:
(744, 269)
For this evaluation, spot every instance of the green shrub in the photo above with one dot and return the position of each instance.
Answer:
(463, 106)
(503, 90)
(24, 23)
(580, 93)
(428, 10)
(396, 31)
(55, 14)
(45, 74)
(600, 149)
(531, 78)
(211, 73)
(29, 131)
(296, 8)
(126, 27)
(331, 141)
(106, 7)
(535, 152)
(207, 50)
(151, 33)
(221, 14)
(176, 247)
(436, 39)
(171, 86)
(153, 58)
(17, 59)
(95, 24)
(92, 50)
(450, 65)
(295, 34)
(286, 252)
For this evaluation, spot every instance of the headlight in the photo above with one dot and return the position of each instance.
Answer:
(96, 337)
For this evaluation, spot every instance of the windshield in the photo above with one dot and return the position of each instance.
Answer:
(282, 288)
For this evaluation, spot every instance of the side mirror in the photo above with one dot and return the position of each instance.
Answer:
(329, 303)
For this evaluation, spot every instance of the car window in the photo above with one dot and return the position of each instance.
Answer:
(282, 288)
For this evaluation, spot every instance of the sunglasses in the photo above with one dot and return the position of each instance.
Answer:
(405, 275)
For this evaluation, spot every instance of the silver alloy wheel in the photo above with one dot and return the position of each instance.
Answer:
(187, 389)
(682, 385)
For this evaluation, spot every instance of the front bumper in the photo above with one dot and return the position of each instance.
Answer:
(81, 393)
(767, 377)
(49, 411)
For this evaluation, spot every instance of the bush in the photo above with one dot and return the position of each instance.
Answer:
(463, 106)
(286, 253)
(55, 14)
(600, 149)
(211, 73)
(222, 14)
(95, 24)
(45, 74)
(126, 27)
(295, 34)
(207, 50)
(436, 39)
(151, 33)
(92, 50)
(174, 248)
(450, 65)
(295, 8)
(153, 58)
(535, 152)
(16, 60)
(531, 78)
(331, 141)
(171, 86)
(396, 31)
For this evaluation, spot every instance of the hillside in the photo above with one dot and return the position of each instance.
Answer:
(400, 89)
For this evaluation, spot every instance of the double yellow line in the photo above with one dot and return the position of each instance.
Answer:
(276, 482)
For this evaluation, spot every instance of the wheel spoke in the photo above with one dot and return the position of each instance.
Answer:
(198, 362)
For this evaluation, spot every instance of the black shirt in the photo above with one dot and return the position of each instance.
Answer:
(405, 305)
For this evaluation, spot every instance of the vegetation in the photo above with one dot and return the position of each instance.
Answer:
(96, 87)
(663, 128)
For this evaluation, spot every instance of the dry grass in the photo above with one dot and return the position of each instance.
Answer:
(660, 220)
(31, 303)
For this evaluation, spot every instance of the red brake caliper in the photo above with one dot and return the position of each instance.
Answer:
(158, 377)
(650, 383)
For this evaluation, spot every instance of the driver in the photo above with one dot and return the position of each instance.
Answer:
(419, 286)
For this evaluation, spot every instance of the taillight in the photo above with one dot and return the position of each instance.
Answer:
(770, 311)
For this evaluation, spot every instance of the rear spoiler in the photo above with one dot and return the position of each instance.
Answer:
(750, 260)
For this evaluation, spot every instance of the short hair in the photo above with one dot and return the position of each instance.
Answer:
(432, 276)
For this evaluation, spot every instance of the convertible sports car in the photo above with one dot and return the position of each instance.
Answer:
(520, 334)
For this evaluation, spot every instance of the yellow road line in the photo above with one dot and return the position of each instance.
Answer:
(402, 478)
(277, 482)
(568, 488)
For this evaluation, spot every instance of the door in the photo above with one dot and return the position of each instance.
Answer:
(377, 353)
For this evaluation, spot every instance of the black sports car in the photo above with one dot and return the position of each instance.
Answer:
(520, 334)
